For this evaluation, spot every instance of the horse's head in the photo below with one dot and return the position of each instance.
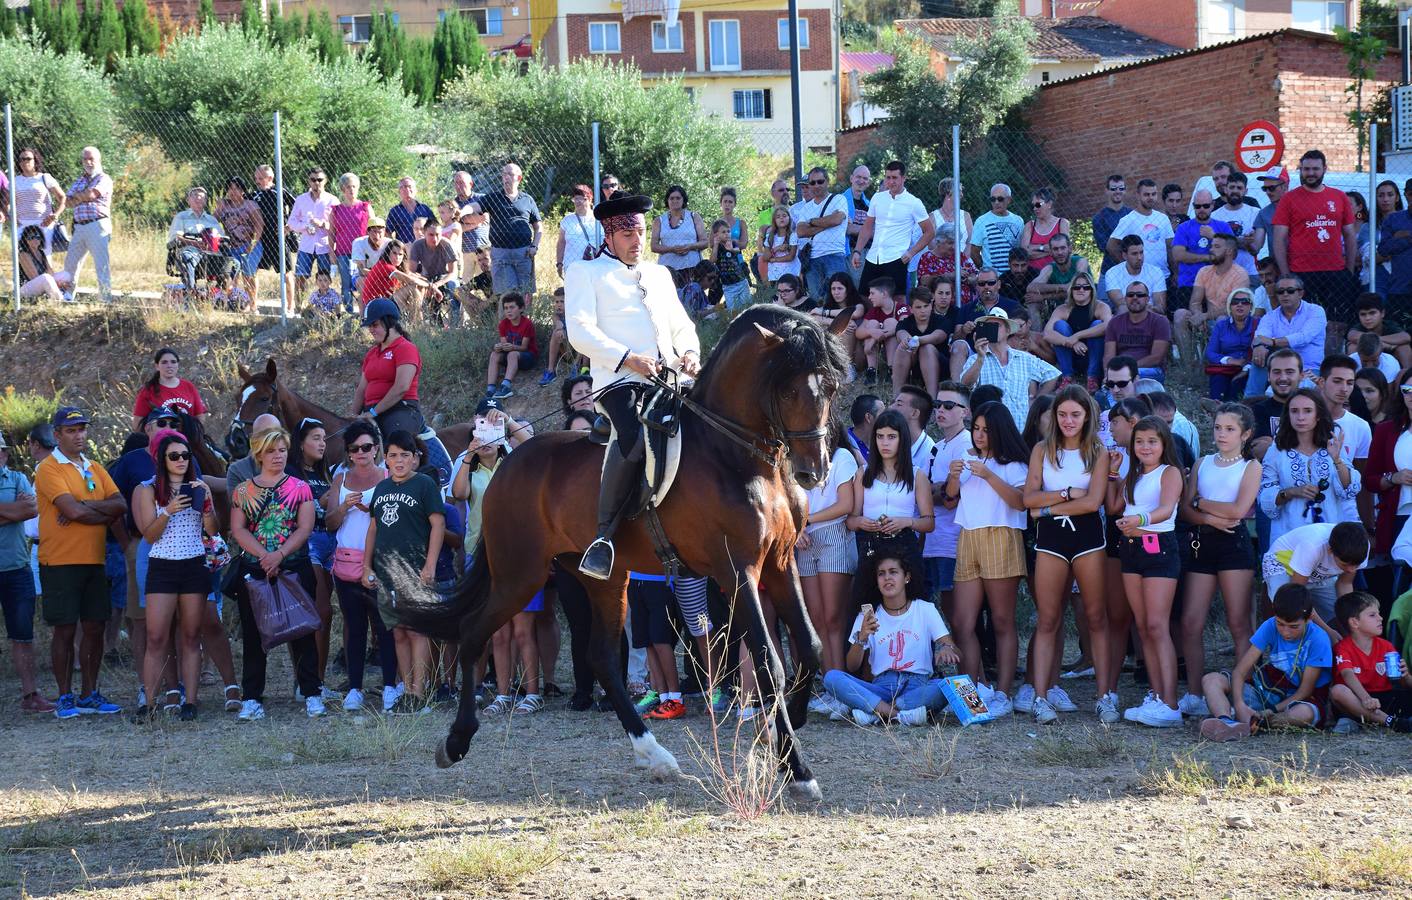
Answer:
(259, 394)
(789, 369)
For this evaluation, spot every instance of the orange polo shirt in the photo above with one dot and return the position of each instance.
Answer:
(74, 544)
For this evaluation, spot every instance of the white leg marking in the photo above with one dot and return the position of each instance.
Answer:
(650, 755)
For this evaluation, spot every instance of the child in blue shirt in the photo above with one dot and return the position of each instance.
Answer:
(1283, 676)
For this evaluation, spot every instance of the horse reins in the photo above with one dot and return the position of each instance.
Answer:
(772, 451)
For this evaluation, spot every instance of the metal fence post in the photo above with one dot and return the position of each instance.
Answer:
(1373, 204)
(14, 228)
(279, 200)
(957, 213)
(597, 175)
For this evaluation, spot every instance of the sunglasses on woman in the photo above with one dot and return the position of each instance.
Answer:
(178, 455)
(361, 448)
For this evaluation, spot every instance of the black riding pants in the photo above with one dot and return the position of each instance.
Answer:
(619, 404)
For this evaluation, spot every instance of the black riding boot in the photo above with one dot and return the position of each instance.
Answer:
(620, 475)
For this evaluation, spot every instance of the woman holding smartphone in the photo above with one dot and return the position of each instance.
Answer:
(892, 502)
(1151, 563)
(346, 518)
(174, 513)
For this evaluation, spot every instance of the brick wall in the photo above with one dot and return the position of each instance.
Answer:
(1170, 21)
(1170, 121)
(759, 41)
(851, 143)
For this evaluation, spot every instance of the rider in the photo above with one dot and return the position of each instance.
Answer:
(624, 315)
(387, 389)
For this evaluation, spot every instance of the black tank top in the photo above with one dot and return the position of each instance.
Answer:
(1080, 317)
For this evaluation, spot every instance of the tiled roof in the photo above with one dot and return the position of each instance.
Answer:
(863, 63)
(1076, 38)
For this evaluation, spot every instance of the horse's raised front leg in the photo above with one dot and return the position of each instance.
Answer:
(609, 602)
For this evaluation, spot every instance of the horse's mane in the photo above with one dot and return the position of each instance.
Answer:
(807, 347)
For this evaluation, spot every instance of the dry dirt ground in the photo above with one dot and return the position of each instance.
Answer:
(549, 806)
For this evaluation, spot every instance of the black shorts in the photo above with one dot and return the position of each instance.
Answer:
(1069, 537)
(1164, 561)
(651, 620)
(1112, 537)
(178, 576)
(1396, 702)
(896, 270)
(1211, 550)
(74, 593)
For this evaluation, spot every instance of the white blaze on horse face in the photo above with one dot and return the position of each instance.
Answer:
(245, 395)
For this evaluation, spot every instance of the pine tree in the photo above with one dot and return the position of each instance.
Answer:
(206, 14)
(252, 19)
(41, 13)
(65, 36)
(419, 71)
(386, 45)
(110, 41)
(327, 41)
(167, 28)
(139, 28)
(88, 28)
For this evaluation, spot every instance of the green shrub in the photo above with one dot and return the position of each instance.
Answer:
(59, 104)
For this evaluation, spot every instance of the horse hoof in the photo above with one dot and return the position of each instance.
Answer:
(444, 759)
(807, 790)
(660, 764)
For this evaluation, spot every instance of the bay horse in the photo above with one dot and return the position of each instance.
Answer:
(262, 392)
(754, 432)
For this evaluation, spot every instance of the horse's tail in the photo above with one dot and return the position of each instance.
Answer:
(442, 621)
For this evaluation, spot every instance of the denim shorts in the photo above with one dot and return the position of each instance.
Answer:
(304, 264)
(1164, 562)
(248, 260)
(17, 598)
(321, 545)
(941, 572)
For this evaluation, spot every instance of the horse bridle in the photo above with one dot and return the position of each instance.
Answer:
(272, 409)
(773, 450)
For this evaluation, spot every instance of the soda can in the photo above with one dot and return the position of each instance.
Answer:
(1392, 665)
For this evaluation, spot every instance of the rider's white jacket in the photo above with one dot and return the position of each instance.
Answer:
(610, 309)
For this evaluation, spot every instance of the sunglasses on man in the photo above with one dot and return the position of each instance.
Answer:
(1114, 385)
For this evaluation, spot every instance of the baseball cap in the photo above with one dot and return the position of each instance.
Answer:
(1275, 173)
(487, 404)
(376, 222)
(43, 435)
(996, 314)
(68, 415)
(161, 412)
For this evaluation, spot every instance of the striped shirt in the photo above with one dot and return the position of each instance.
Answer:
(1015, 377)
(98, 208)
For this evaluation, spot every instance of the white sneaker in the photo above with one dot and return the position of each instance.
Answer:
(251, 711)
(1192, 705)
(1078, 673)
(141, 697)
(389, 697)
(1059, 699)
(1159, 715)
(999, 704)
(864, 718)
(314, 707)
(818, 704)
(328, 695)
(1107, 708)
(1346, 726)
(1024, 698)
(1044, 712)
(354, 700)
(838, 710)
(915, 717)
(1130, 714)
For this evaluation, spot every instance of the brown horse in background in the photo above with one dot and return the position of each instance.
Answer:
(262, 392)
(753, 433)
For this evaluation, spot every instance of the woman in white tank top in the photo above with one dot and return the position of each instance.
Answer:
(1218, 499)
(892, 502)
(1152, 563)
(1065, 487)
(346, 515)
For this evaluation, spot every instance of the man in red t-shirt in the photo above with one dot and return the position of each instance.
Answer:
(517, 349)
(1316, 238)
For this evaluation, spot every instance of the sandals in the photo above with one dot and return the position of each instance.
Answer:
(532, 703)
(233, 702)
(499, 706)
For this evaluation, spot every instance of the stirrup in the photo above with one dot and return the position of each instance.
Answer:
(600, 572)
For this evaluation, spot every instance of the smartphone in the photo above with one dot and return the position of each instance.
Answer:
(487, 433)
(197, 494)
(989, 330)
(867, 610)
